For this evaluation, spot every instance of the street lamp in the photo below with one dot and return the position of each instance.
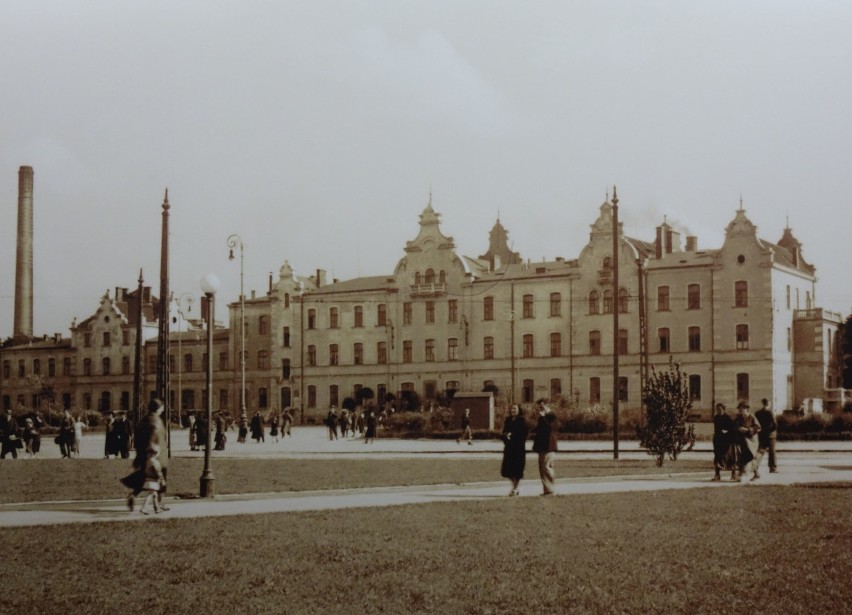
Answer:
(233, 242)
(209, 286)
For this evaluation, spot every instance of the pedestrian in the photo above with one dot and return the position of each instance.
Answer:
(343, 421)
(122, 434)
(109, 439)
(79, 426)
(193, 440)
(32, 435)
(331, 423)
(10, 434)
(242, 430)
(65, 439)
(514, 448)
(723, 431)
(466, 433)
(274, 422)
(766, 437)
(372, 424)
(287, 423)
(544, 443)
(220, 437)
(257, 427)
(155, 481)
(747, 429)
(150, 432)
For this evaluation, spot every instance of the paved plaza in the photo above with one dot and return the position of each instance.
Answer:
(800, 462)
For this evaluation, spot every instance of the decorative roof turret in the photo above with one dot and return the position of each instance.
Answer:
(499, 254)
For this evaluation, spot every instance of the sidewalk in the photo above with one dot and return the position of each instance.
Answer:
(797, 466)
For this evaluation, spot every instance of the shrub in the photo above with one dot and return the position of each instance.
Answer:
(667, 406)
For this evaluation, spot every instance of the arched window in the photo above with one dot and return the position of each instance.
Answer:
(607, 302)
(594, 302)
(430, 276)
(623, 298)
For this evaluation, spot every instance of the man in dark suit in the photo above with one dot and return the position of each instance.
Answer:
(766, 437)
(544, 443)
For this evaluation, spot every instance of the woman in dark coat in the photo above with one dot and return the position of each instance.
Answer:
(514, 448)
(723, 432)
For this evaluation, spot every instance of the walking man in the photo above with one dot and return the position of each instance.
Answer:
(544, 444)
(766, 437)
(465, 425)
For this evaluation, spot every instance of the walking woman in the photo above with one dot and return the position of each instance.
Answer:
(514, 448)
(747, 429)
(723, 430)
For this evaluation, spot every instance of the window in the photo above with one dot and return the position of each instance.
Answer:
(125, 337)
(312, 318)
(286, 397)
(694, 387)
(607, 302)
(286, 300)
(488, 348)
(285, 337)
(87, 340)
(359, 316)
(382, 352)
(333, 358)
(594, 302)
(555, 304)
(663, 299)
(187, 362)
(808, 304)
(789, 339)
(417, 279)
(262, 397)
(742, 337)
(623, 301)
(555, 344)
(742, 387)
(488, 308)
(528, 307)
(693, 297)
(51, 368)
(664, 336)
(37, 367)
(107, 339)
(594, 342)
(430, 276)
(453, 349)
(594, 390)
(333, 318)
(87, 366)
(430, 350)
(623, 388)
(312, 355)
(263, 325)
(406, 313)
(333, 395)
(171, 363)
(7, 370)
(741, 294)
(694, 335)
(622, 342)
(788, 296)
(358, 353)
(555, 388)
(452, 310)
(22, 368)
(105, 365)
(285, 369)
(382, 315)
(529, 347)
(223, 360)
(407, 351)
(528, 391)
(312, 396)
(262, 359)
(430, 311)
(442, 277)
(66, 366)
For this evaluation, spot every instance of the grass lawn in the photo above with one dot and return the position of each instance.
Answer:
(738, 550)
(87, 479)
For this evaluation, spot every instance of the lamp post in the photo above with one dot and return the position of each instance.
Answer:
(233, 242)
(209, 286)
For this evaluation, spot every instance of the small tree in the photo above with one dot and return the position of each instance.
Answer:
(667, 407)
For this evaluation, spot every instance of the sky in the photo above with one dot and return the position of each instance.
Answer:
(318, 131)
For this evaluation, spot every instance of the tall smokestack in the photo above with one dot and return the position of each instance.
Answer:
(24, 263)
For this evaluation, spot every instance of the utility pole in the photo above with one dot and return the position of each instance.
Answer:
(162, 388)
(615, 340)
(137, 370)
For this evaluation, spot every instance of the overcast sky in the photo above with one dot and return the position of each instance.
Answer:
(316, 130)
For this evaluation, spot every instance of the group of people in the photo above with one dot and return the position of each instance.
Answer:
(515, 432)
(352, 423)
(13, 437)
(740, 442)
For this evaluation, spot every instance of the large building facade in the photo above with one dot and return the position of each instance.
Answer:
(741, 319)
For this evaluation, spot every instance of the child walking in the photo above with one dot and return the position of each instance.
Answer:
(154, 480)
